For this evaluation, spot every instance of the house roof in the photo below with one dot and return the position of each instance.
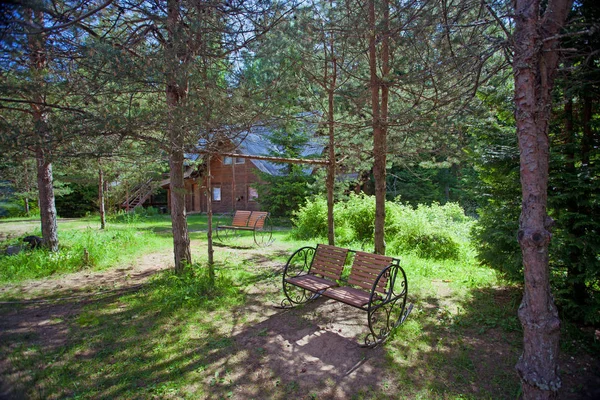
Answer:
(257, 141)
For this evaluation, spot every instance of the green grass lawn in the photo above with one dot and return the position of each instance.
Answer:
(180, 337)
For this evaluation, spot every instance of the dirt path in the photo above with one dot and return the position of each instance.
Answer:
(86, 281)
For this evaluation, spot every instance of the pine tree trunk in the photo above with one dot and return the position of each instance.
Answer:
(330, 182)
(209, 213)
(379, 137)
(181, 240)
(27, 187)
(38, 64)
(101, 198)
(46, 201)
(535, 62)
(176, 94)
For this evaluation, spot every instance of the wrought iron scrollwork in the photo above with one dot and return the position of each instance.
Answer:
(299, 263)
(387, 311)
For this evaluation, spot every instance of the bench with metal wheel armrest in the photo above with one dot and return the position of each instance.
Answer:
(377, 284)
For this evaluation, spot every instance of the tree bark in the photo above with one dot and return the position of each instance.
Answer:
(379, 107)
(330, 82)
(46, 201)
(534, 66)
(176, 93)
(181, 240)
(38, 62)
(101, 198)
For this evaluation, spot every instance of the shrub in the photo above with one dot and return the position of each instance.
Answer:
(310, 220)
(437, 246)
(80, 200)
(358, 214)
(437, 232)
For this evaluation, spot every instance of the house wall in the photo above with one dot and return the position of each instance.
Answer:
(234, 180)
(192, 196)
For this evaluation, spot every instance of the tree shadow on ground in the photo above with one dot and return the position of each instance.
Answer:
(127, 345)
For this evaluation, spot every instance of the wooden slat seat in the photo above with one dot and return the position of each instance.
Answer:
(311, 282)
(348, 295)
(325, 269)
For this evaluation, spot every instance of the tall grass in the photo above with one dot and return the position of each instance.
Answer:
(80, 249)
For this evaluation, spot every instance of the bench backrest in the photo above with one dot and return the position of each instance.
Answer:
(329, 261)
(257, 219)
(366, 267)
(241, 218)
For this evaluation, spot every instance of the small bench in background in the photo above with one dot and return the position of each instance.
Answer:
(376, 284)
(257, 222)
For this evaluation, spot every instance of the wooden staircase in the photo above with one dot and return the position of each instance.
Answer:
(139, 195)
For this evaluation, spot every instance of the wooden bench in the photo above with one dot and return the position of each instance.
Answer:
(376, 284)
(256, 221)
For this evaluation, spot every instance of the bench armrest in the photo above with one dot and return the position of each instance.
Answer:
(299, 262)
(387, 311)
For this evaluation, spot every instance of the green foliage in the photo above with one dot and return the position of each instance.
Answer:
(81, 200)
(169, 291)
(428, 245)
(435, 232)
(573, 200)
(87, 248)
(496, 160)
(311, 220)
(282, 195)
(358, 214)
(10, 209)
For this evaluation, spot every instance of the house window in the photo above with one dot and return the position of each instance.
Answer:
(216, 193)
(240, 160)
(252, 194)
(227, 160)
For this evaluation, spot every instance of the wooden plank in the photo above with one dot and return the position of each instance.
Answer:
(312, 283)
(257, 219)
(366, 267)
(329, 261)
(351, 296)
(241, 218)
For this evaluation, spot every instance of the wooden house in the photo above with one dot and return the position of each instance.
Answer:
(234, 179)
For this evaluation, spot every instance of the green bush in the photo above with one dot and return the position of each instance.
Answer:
(436, 231)
(310, 221)
(80, 200)
(357, 213)
(436, 246)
